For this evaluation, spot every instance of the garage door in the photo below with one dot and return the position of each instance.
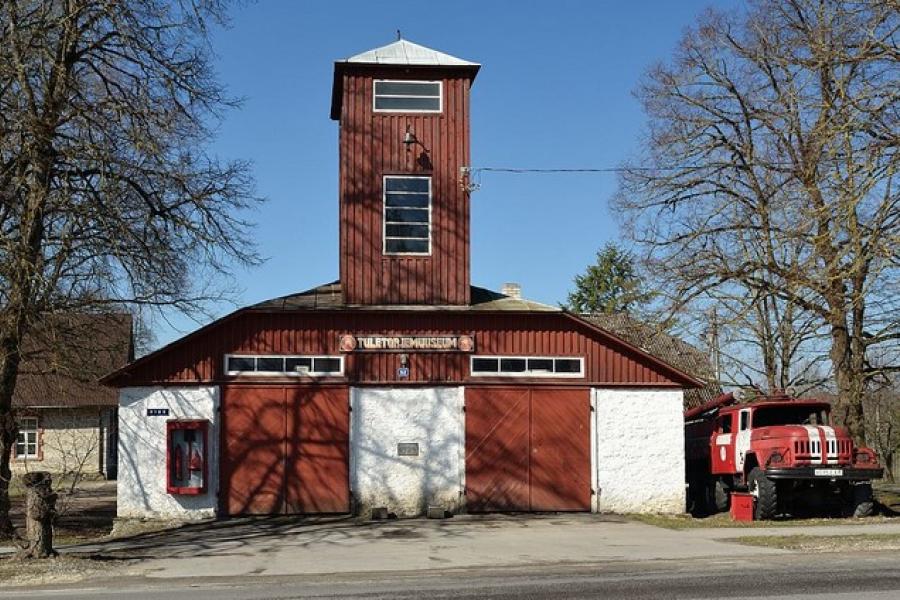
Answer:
(528, 449)
(285, 450)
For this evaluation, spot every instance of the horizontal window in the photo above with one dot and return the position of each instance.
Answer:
(406, 200)
(527, 366)
(407, 231)
(406, 246)
(284, 365)
(407, 215)
(407, 184)
(407, 96)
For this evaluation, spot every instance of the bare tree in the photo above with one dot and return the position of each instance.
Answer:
(108, 197)
(764, 341)
(769, 170)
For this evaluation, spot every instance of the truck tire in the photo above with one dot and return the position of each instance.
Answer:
(860, 503)
(763, 488)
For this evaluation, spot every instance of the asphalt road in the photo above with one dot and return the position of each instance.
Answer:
(828, 576)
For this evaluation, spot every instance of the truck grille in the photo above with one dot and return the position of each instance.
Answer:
(814, 448)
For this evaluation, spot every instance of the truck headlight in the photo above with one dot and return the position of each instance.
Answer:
(862, 457)
(776, 458)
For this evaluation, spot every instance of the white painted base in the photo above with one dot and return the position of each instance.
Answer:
(142, 452)
(639, 439)
(406, 485)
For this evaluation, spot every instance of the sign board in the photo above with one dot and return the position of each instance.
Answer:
(403, 372)
(407, 449)
(157, 412)
(407, 343)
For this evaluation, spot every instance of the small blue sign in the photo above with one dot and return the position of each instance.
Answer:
(403, 372)
(157, 412)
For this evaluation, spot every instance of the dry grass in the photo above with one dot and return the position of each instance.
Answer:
(723, 520)
(888, 497)
(873, 542)
(15, 572)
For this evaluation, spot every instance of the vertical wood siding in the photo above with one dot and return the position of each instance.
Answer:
(371, 146)
(200, 358)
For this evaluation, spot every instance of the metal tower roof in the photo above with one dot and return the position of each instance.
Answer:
(404, 52)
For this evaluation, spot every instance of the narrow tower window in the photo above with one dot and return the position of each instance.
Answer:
(407, 96)
(407, 215)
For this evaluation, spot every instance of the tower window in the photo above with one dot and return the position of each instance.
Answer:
(407, 215)
(407, 96)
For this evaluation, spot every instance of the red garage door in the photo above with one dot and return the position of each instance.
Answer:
(284, 450)
(528, 449)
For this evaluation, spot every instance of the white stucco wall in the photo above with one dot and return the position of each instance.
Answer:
(406, 485)
(639, 450)
(142, 451)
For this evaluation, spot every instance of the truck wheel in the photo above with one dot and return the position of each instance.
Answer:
(765, 492)
(860, 503)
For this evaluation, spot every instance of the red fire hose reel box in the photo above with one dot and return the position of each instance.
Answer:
(741, 506)
(186, 456)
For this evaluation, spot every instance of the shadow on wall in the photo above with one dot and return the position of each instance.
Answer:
(528, 450)
(142, 450)
(428, 421)
(286, 450)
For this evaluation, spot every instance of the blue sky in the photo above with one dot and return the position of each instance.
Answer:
(554, 91)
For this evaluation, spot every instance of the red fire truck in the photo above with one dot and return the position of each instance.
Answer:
(781, 449)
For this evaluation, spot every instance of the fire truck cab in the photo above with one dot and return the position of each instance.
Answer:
(781, 449)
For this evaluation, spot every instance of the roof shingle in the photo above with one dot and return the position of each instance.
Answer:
(64, 358)
(665, 347)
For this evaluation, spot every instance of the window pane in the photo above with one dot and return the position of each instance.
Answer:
(270, 365)
(413, 246)
(296, 365)
(410, 199)
(406, 88)
(241, 363)
(408, 231)
(406, 184)
(568, 365)
(540, 364)
(484, 365)
(408, 103)
(406, 215)
(327, 365)
(20, 449)
(512, 365)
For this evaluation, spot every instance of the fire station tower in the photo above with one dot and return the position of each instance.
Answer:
(404, 211)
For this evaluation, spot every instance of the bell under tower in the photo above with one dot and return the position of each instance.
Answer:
(403, 111)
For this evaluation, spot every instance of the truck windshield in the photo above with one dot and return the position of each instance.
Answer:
(789, 415)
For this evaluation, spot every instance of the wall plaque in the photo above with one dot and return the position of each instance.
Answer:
(157, 412)
(407, 343)
(407, 449)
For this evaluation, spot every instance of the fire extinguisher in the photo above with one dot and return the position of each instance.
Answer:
(196, 467)
(178, 464)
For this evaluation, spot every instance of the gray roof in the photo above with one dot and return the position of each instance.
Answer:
(666, 348)
(330, 297)
(404, 52)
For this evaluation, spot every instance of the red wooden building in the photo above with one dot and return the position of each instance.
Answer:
(400, 385)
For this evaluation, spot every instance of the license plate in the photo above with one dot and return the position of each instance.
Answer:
(828, 472)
